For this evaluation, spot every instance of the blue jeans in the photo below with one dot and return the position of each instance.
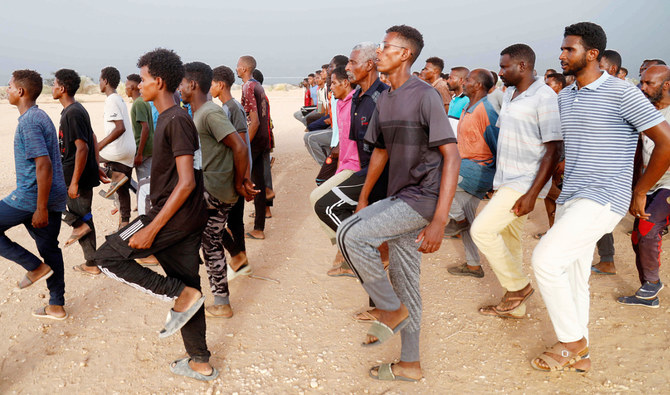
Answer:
(46, 240)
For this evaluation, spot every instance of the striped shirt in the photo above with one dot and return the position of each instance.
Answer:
(526, 123)
(600, 124)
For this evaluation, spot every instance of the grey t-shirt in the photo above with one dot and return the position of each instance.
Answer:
(410, 123)
(238, 118)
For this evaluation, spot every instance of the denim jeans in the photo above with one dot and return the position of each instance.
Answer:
(46, 240)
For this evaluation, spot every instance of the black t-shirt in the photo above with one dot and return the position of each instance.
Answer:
(76, 125)
(176, 135)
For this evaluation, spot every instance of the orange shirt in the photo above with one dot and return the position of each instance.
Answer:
(471, 128)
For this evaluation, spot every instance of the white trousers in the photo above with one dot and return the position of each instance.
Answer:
(562, 264)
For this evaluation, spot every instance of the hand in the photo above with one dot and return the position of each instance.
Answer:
(524, 205)
(143, 239)
(637, 206)
(73, 190)
(103, 176)
(246, 190)
(335, 153)
(361, 205)
(430, 238)
(138, 159)
(40, 218)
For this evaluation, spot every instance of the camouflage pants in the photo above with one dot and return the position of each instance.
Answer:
(212, 245)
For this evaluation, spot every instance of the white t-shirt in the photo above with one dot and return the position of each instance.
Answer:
(122, 149)
(647, 149)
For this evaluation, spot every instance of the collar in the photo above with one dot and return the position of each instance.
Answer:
(27, 111)
(594, 85)
(371, 90)
(472, 108)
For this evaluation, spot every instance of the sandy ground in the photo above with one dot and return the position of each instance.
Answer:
(298, 336)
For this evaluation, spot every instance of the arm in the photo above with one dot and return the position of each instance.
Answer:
(253, 125)
(526, 203)
(143, 141)
(659, 162)
(119, 128)
(243, 184)
(431, 236)
(80, 157)
(185, 185)
(44, 174)
(377, 163)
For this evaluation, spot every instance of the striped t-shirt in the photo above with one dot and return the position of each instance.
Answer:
(526, 123)
(600, 124)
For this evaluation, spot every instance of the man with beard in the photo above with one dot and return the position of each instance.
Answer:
(528, 151)
(647, 232)
(601, 117)
(431, 73)
(459, 100)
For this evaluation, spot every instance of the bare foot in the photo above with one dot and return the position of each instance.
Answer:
(574, 348)
(203, 368)
(55, 310)
(268, 213)
(410, 370)
(514, 299)
(339, 258)
(606, 267)
(256, 234)
(269, 194)
(38, 273)
(90, 269)
(219, 311)
(186, 299)
(390, 318)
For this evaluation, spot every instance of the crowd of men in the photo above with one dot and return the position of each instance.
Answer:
(412, 165)
(405, 161)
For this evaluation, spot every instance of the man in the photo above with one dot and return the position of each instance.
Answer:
(610, 63)
(596, 189)
(172, 229)
(648, 63)
(78, 147)
(143, 127)
(117, 149)
(647, 232)
(459, 101)
(224, 166)
(431, 74)
(256, 108)
(547, 73)
(495, 95)
(477, 139)
(340, 202)
(528, 151)
(623, 72)
(415, 212)
(39, 197)
(222, 80)
(556, 82)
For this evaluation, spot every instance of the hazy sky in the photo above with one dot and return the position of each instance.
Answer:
(293, 38)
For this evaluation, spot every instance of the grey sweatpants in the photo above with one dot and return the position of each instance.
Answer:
(464, 206)
(359, 237)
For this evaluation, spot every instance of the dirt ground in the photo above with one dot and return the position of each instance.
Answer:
(298, 336)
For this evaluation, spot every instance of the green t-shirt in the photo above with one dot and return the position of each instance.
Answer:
(141, 112)
(217, 158)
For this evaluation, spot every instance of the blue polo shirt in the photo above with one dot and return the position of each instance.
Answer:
(362, 107)
(457, 104)
(600, 124)
(36, 136)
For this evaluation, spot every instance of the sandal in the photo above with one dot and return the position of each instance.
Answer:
(384, 332)
(385, 373)
(74, 238)
(42, 313)
(182, 368)
(80, 269)
(339, 271)
(521, 299)
(494, 312)
(364, 316)
(554, 365)
(26, 282)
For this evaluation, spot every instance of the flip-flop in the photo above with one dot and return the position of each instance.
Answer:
(244, 270)
(76, 238)
(26, 282)
(182, 368)
(521, 299)
(598, 271)
(384, 332)
(42, 313)
(339, 271)
(385, 373)
(491, 311)
(248, 235)
(80, 269)
(175, 320)
(253, 215)
(364, 316)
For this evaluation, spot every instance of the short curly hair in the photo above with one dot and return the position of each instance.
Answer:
(520, 52)
(111, 75)
(134, 77)
(225, 74)
(199, 72)
(30, 81)
(68, 79)
(412, 36)
(437, 62)
(165, 64)
(593, 36)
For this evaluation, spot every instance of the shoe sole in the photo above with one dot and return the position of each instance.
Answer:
(650, 297)
(115, 188)
(640, 305)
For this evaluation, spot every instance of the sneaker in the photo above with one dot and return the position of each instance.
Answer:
(464, 270)
(649, 290)
(635, 301)
(453, 228)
